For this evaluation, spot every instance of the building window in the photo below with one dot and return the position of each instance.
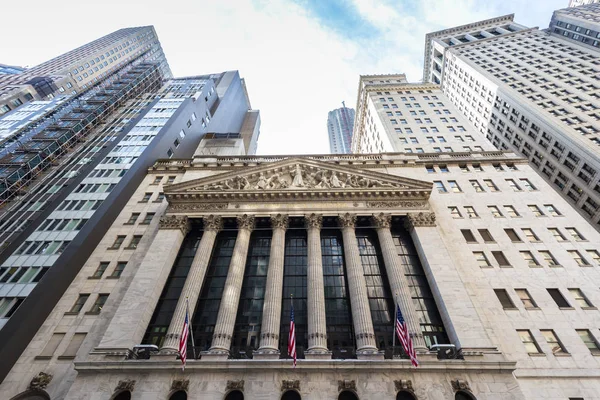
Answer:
(504, 299)
(529, 259)
(98, 304)
(530, 235)
(455, 212)
(576, 255)
(500, 258)
(511, 211)
(454, 187)
(552, 210)
(146, 197)
(529, 342)
(548, 258)
(100, 270)
(79, 303)
(118, 242)
(135, 240)
(71, 350)
(482, 260)
(486, 235)
(471, 212)
(535, 210)
(170, 179)
(580, 298)
(527, 184)
(595, 256)
(589, 340)
(160, 197)
(468, 235)
(557, 235)
(495, 212)
(513, 185)
(440, 186)
(552, 340)
(526, 298)
(430, 169)
(147, 219)
(118, 269)
(558, 298)
(51, 346)
(575, 234)
(477, 186)
(132, 219)
(512, 235)
(490, 184)
(157, 180)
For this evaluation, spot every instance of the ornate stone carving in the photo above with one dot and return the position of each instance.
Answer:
(221, 335)
(290, 385)
(460, 384)
(267, 335)
(174, 222)
(182, 384)
(366, 335)
(279, 221)
(313, 221)
(235, 385)
(127, 384)
(197, 207)
(397, 204)
(213, 223)
(382, 220)
(419, 219)
(245, 222)
(40, 381)
(404, 384)
(347, 220)
(346, 385)
(318, 335)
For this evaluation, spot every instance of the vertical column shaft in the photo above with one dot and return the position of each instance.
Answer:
(359, 299)
(317, 323)
(193, 283)
(397, 279)
(271, 318)
(233, 286)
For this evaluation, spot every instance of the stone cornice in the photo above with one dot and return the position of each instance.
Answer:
(175, 222)
(421, 219)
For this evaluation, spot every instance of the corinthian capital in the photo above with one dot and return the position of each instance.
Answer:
(279, 221)
(175, 222)
(313, 221)
(245, 222)
(382, 220)
(347, 220)
(213, 223)
(419, 219)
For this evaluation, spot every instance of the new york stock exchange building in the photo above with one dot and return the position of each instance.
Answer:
(234, 241)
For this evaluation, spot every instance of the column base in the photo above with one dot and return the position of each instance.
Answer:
(370, 354)
(317, 354)
(266, 354)
(215, 355)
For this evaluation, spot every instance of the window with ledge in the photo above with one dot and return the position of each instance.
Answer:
(501, 259)
(504, 299)
(576, 255)
(512, 235)
(513, 185)
(118, 270)
(575, 234)
(98, 304)
(535, 210)
(160, 197)
(530, 235)
(558, 298)
(580, 298)
(557, 234)
(471, 212)
(486, 235)
(595, 255)
(548, 258)
(146, 197)
(527, 184)
(482, 259)
(529, 259)
(79, 303)
(455, 212)
(491, 186)
(589, 340)
(529, 342)
(132, 219)
(526, 298)
(511, 211)
(51, 346)
(135, 240)
(170, 179)
(552, 210)
(71, 350)
(440, 186)
(552, 340)
(118, 242)
(147, 219)
(157, 180)
(100, 270)
(495, 211)
(454, 187)
(477, 186)
(468, 235)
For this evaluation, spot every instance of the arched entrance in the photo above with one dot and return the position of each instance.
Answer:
(347, 395)
(32, 395)
(126, 395)
(235, 395)
(462, 395)
(291, 395)
(404, 395)
(178, 395)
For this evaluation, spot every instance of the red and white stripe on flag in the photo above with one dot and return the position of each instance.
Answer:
(183, 341)
(292, 338)
(404, 337)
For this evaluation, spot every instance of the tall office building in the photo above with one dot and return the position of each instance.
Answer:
(340, 123)
(534, 92)
(73, 168)
(81, 68)
(576, 3)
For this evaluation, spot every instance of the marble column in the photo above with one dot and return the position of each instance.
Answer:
(193, 283)
(359, 300)
(397, 279)
(230, 298)
(271, 317)
(127, 327)
(317, 323)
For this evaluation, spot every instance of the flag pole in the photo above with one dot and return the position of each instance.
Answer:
(187, 311)
(394, 328)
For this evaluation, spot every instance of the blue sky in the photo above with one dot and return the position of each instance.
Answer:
(300, 58)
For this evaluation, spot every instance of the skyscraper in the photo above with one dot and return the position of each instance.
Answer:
(534, 92)
(576, 3)
(340, 123)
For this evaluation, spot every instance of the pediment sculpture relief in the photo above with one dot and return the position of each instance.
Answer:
(299, 177)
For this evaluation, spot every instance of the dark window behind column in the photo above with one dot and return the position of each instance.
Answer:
(429, 316)
(294, 282)
(161, 319)
(340, 333)
(380, 298)
(207, 308)
(250, 308)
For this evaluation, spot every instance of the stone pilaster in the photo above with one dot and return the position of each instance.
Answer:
(361, 312)
(271, 317)
(193, 283)
(397, 279)
(131, 319)
(317, 323)
(230, 298)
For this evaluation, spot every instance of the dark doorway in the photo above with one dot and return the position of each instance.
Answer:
(235, 395)
(123, 396)
(178, 395)
(346, 395)
(460, 395)
(291, 395)
(405, 396)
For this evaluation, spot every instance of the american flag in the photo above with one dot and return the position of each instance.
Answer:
(292, 337)
(183, 340)
(404, 337)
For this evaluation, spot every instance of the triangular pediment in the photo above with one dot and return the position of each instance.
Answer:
(294, 176)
